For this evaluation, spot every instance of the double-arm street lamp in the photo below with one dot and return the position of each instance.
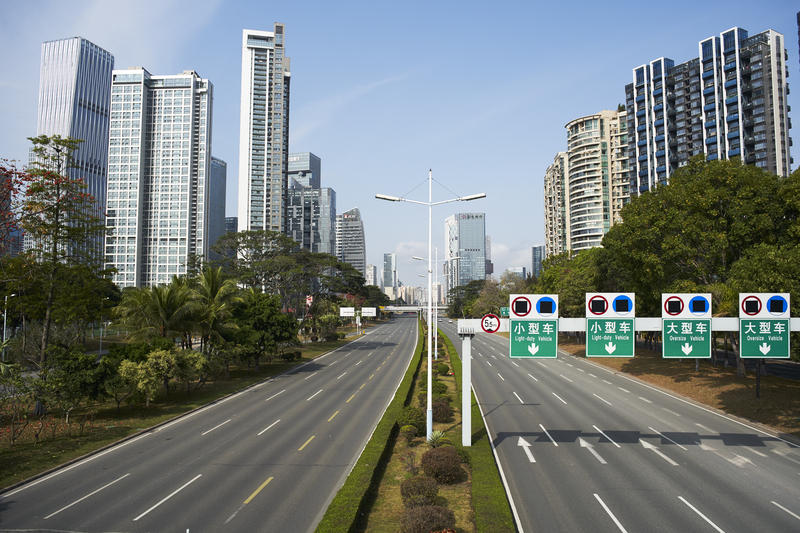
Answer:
(430, 203)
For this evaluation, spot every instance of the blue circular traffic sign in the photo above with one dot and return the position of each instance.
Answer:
(777, 305)
(545, 306)
(699, 305)
(622, 304)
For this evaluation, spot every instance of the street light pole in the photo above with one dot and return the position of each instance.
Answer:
(430, 203)
(5, 314)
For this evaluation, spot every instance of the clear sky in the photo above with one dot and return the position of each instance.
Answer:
(382, 91)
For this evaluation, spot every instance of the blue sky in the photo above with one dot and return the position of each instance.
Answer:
(477, 91)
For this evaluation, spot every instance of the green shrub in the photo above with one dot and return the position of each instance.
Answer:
(409, 432)
(442, 412)
(419, 490)
(438, 438)
(463, 454)
(438, 387)
(412, 416)
(442, 369)
(427, 518)
(443, 464)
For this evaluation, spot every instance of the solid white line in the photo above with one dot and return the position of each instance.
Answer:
(533, 378)
(704, 428)
(340, 377)
(614, 518)
(601, 399)
(274, 395)
(215, 427)
(644, 399)
(518, 398)
(704, 517)
(779, 506)
(606, 436)
(320, 390)
(95, 492)
(548, 436)
(268, 427)
(501, 377)
(309, 376)
(560, 398)
(515, 364)
(624, 390)
(176, 491)
(667, 438)
(565, 377)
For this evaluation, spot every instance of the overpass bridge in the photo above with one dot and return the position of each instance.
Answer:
(412, 308)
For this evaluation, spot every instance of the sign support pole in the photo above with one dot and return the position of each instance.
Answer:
(466, 389)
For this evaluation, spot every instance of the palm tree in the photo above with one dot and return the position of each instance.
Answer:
(161, 311)
(213, 299)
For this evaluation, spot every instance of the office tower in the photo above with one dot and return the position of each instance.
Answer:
(305, 170)
(263, 130)
(158, 175)
(595, 186)
(74, 90)
(489, 264)
(465, 248)
(216, 204)
(731, 101)
(556, 206)
(231, 224)
(350, 246)
(311, 218)
(518, 272)
(390, 274)
(371, 277)
(537, 256)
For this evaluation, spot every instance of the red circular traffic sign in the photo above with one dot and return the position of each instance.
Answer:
(490, 323)
(597, 298)
(521, 306)
(746, 309)
(667, 306)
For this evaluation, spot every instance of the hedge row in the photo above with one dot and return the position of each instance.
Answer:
(351, 503)
(489, 501)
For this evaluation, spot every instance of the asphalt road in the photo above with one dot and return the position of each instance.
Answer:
(268, 459)
(586, 449)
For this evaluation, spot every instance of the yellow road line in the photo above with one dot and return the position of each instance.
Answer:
(333, 416)
(300, 449)
(362, 386)
(351, 397)
(259, 489)
(371, 376)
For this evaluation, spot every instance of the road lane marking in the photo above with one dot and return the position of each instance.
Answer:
(570, 364)
(515, 364)
(590, 447)
(601, 399)
(309, 376)
(565, 377)
(267, 428)
(340, 377)
(539, 362)
(362, 386)
(608, 511)
(334, 362)
(624, 390)
(704, 428)
(274, 395)
(757, 452)
(653, 448)
(785, 455)
(300, 449)
(215, 427)
(644, 399)
(606, 436)
(592, 375)
(533, 378)
(351, 397)
(704, 517)
(560, 398)
(320, 390)
(488, 363)
(173, 493)
(667, 438)
(501, 377)
(249, 499)
(333, 416)
(670, 411)
(779, 506)
(581, 370)
(518, 398)
(548, 436)
(607, 382)
(371, 376)
(358, 363)
(92, 494)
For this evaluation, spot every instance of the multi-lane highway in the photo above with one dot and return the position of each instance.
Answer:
(584, 448)
(268, 459)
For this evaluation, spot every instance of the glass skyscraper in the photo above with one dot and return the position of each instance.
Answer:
(465, 248)
(263, 131)
(537, 256)
(311, 218)
(216, 204)
(158, 175)
(390, 274)
(350, 245)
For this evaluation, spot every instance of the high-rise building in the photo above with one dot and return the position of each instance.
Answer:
(216, 204)
(595, 187)
(537, 256)
(465, 248)
(263, 131)
(731, 101)
(231, 224)
(519, 272)
(311, 218)
(489, 264)
(556, 206)
(350, 246)
(371, 277)
(74, 91)
(305, 170)
(158, 175)
(390, 274)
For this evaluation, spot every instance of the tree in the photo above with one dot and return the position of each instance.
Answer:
(253, 257)
(462, 297)
(149, 375)
(162, 311)
(69, 378)
(214, 296)
(571, 278)
(263, 329)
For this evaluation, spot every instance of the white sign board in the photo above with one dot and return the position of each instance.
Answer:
(368, 311)
(610, 305)
(347, 311)
(764, 305)
(683, 305)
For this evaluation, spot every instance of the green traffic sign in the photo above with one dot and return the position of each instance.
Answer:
(504, 312)
(533, 338)
(609, 337)
(764, 337)
(686, 338)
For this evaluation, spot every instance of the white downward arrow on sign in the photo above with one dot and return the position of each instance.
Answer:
(687, 348)
(527, 447)
(591, 449)
(610, 347)
(533, 349)
(764, 348)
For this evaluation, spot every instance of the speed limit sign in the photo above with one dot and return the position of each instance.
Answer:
(490, 323)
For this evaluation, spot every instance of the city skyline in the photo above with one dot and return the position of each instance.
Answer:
(414, 104)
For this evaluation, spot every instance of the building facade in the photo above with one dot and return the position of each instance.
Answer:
(264, 131)
(311, 218)
(216, 204)
(158, 175)
(556, 206)
(231, 224)
(537, 256)
(730, 101)
(371, 276)
(465, 248)
(305, 170)
(389, 278)
(350, 245)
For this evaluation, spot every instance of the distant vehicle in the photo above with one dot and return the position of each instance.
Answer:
(450, 321)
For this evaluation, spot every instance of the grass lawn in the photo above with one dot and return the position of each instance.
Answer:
(106, 425)
(719, 387)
